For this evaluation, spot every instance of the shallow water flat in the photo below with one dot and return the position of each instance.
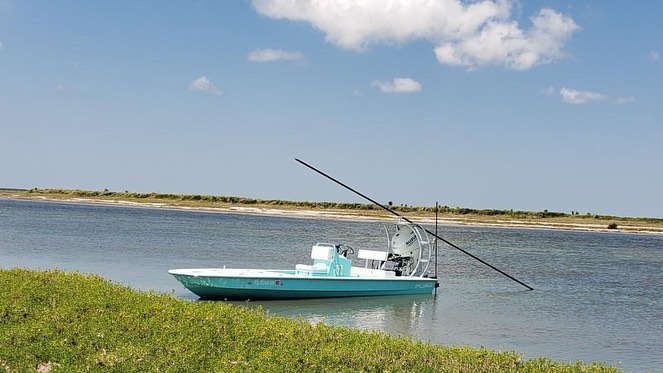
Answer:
(597, 295)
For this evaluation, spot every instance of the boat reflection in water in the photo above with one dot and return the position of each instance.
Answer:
(401, 315)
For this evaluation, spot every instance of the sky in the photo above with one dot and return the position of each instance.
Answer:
(526, 105)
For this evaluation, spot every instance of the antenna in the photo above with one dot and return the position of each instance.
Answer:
(436, 209)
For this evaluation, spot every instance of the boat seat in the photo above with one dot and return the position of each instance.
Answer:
(321, 252)
(372, 255)
(315, 268)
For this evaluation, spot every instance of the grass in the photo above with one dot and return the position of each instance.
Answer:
(74, 322)
(544, 218)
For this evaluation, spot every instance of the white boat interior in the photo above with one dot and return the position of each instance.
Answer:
(408, 254)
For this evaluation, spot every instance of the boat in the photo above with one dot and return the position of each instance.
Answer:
(402, 268)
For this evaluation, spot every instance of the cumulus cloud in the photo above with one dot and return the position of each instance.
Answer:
(268, 55)
(572, 96)
(469, 34)
(204, 85)
(654, 56)
(507, 44)
(548, 91)
(398, 85)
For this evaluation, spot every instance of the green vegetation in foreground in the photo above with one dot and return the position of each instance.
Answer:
(484, 216)
(76, 322)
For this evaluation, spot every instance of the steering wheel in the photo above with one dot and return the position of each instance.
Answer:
(345, 250)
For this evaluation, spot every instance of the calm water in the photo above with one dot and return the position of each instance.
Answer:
(597, 298)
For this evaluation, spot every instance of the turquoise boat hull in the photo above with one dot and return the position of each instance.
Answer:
(286, 285)
(402, 269)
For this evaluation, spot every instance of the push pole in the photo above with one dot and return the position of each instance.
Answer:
(410, 221)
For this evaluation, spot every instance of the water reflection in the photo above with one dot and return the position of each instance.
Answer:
(400, 315)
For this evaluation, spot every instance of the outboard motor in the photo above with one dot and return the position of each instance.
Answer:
(405, 250)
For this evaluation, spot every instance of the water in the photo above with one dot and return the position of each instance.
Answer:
(597, 297)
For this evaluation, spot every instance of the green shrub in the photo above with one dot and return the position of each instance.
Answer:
(81, 323)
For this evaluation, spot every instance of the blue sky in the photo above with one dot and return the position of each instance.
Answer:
(526, 105)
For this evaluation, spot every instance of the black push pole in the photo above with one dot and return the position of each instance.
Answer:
(436, 208)
(410, 221)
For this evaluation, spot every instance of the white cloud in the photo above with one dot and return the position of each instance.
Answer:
(576, 97)
(624, 100)
(654, 56)
(204, 85)
(468, 34)
(267, 55)
(0, 45)
(59, 87)
(398, 85)
(572, 96)
(504, 43)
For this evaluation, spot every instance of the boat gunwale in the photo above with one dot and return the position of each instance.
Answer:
(290, 275)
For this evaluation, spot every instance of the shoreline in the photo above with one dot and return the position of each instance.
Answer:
(352, 215)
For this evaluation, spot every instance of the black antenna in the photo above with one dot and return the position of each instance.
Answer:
(410, 221)
(436, 209)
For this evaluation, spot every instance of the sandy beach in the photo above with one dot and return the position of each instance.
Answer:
(357, 215)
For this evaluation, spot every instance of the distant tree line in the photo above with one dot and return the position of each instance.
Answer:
(327, 205)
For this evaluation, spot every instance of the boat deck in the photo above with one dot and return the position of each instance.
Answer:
(355, 273)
